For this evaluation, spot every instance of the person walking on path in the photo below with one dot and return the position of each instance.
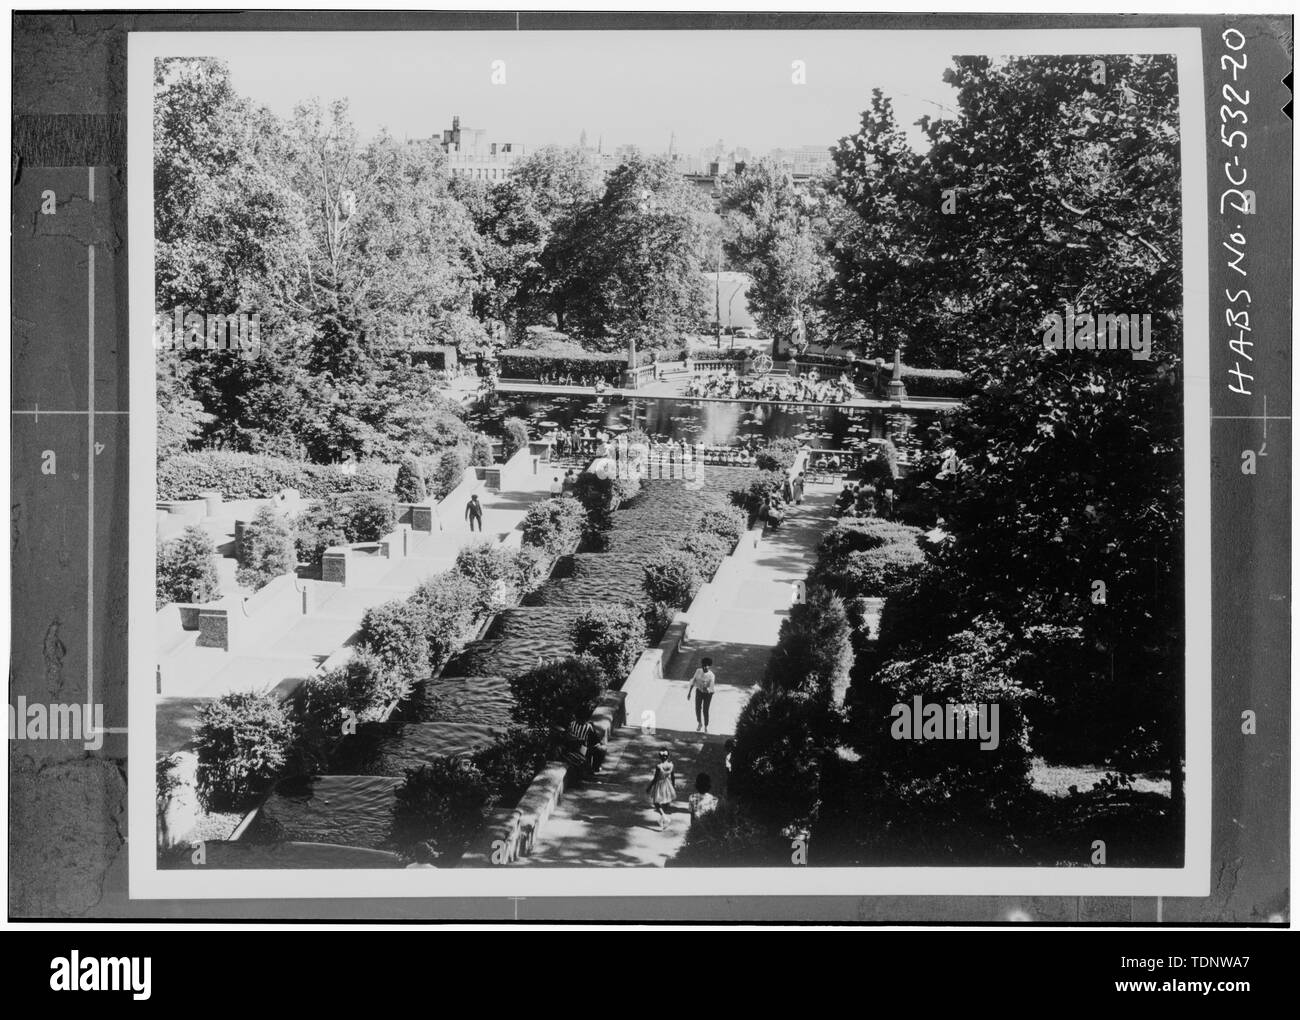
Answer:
(661, 789)
(557, 486)
(474, 512)
(702, 685)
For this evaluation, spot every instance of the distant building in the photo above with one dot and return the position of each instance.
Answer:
(804, 160)
(470, 154)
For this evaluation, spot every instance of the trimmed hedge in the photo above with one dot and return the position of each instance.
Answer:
(361, 517)
(872, 573)
(186, 569)
(265, 550)
(815, 646)
(614, 635)
(708, 551)
(516, 436)
(394, 632)
(494, 573)
(243, 743)
(778, 455)
(449, 602)
(410, 487)
(673, 578)
(554, 525)
(859, 534)
(448, 472)
(935, 382)
(558, 692)
(480, 451)
(727, 523)
(530, 364)
(257, 476)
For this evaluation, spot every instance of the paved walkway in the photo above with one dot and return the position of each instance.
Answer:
(609, 821)
(291, 645)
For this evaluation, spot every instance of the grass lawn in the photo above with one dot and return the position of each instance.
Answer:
(1056, 780)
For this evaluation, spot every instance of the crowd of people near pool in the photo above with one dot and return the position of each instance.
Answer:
(806, 386)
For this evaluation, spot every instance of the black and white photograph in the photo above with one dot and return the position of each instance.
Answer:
(740, 454)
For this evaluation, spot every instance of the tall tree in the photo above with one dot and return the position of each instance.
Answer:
(632, 268)
(778, 234)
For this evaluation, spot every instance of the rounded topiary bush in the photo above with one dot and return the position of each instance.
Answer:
(243, 742)
(449, 473)
(778, 455)
(441, 805)
(265, 550)
(410, 487)
(516, 436)
(672, 578)
(394, 631)
(371, 687)
(450, 605)
(186, 569)
(480, 451)
(728, 523)
(494, 572)
(614, 635)
(558, 692)
(708, 551)
(554, 525)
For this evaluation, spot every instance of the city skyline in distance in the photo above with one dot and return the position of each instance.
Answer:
(634, 88)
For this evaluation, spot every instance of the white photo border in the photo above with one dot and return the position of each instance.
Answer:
(147, 881)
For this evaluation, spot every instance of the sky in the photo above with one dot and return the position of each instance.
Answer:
(638, 88)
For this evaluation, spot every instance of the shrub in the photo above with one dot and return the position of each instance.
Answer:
(672, 577)
(511, 764)
(860, 534)
(935, 382)
(494, 573)
(257, 476)
(558, 692)
(973, 667)
(814, 650)
(752, 498)
(265, 550)
(371, 688)
(613, 635)
(778, 455)
(370, 516)
(873, 573)
(531, 567)
(554, 525)
(883, 464)
(480, 451)
(601, 494)
(409, 487)
(730, 837)
(441, 804)
(658, 616)
(186, 570)
(781, 738)
(321, 705)
(708, 551)
(394, 632)
(524, 364)
(516, 437)
(243, 743)
(449, 472)
(449, 602)
(319, 528)
(728, 523)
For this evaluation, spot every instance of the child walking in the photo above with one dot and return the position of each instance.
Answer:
(662, 791)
